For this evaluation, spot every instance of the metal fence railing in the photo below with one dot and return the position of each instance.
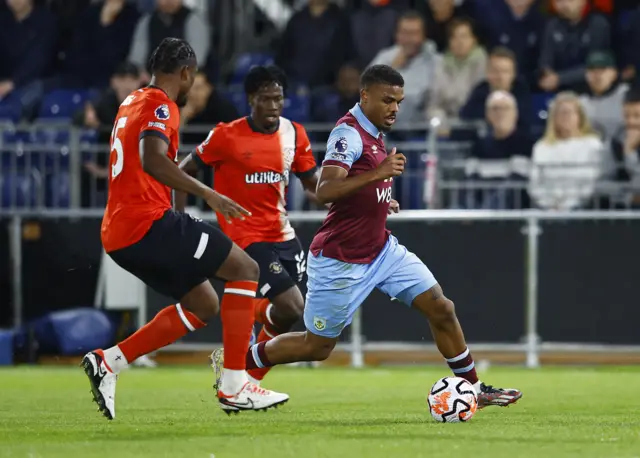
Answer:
(533, 227)
(57, 165)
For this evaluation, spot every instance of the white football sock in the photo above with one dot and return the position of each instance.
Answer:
(233, 381)
(115, 359)
(476, 386)
(254, 380)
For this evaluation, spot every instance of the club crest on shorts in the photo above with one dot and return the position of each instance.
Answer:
(319, 323)
(275, 267)
(162, 112)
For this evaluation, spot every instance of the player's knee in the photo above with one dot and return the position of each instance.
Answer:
(248, 270)
(442, 310)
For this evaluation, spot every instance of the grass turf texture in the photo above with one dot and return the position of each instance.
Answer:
(170, 412)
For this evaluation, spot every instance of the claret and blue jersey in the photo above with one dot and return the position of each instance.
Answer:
(353, 252)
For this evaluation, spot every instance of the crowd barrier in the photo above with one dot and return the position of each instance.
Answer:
(523, 281)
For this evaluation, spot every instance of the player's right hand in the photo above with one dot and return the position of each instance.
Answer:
(226, 207)
(392, 166)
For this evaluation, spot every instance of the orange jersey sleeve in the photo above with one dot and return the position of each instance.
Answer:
(212, 150)
(304, 163)
(136, 199)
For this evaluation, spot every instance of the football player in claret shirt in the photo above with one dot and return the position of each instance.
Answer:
(353, 252)
(253, 158)
(170, 251)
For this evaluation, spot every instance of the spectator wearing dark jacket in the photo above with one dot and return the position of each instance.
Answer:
(372, 28)
(102, 40)
(438, 14)
(27, 41)
(503, 154)
(568, 39)
(315, 44)
(501, 76)
(517, 25)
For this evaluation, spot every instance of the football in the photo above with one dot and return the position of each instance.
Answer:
(452, 400)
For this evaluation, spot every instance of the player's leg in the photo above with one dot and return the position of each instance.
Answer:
(281, 267)
(412, 282)
(335, 291)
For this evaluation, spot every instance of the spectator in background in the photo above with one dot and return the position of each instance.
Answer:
(625, 147)
(438, 15)
(416, 60)
(462, 67)
(372, 28)
(102, 40)
(517, 25)
(100, 116)
(170, 19)
(501, 76)
(315, 44)
(567, 41)
(331, 103)
(631, 47)
(604, 95)
(205, 107)
(27, 41)
(569, 159)
(503, 154)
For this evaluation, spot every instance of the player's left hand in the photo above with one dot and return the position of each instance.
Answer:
(229, 209)
(394, 207)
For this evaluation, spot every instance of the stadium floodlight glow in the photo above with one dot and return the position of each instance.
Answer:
(435, 122)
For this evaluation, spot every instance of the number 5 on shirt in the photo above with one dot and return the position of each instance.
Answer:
(116, 145)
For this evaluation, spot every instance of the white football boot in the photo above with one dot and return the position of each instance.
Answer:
(250, 397)
(103, 383)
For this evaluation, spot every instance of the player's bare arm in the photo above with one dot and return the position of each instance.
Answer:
(334, 184)
(155, 162)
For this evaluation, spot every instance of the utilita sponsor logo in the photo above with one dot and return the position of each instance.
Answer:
(264, 178)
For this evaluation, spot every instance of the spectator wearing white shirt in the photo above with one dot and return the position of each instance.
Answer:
(568, 160)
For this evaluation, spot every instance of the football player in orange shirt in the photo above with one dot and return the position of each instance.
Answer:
(253, 158)
(170, 251)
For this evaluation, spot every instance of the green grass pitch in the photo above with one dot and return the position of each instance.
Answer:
(171, 412)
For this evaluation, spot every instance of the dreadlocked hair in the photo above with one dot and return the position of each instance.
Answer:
(260, 76)
(170, 55)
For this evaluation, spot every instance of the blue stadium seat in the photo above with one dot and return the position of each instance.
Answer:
(244, 63)
(10, 108)
(235, 94)
(325, 105)
(297, 105)
(62, 103)
(18, 189)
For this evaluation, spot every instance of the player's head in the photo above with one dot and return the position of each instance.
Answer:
(265, 88)
(175, 60)
(381, 92)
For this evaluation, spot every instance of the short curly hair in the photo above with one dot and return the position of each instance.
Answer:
(260, 76)
(170, 55)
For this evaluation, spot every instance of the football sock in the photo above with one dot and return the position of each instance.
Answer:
(463, 366)
(237, 322)
(232, 382)
(257, 357)
(170, 324)
(263, 310)
(267, 333)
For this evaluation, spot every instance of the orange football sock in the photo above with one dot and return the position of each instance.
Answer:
(264, 336)
(237, 313)
(261, 310)
(170, 324)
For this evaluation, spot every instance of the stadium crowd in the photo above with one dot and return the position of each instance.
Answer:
(555, 81)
